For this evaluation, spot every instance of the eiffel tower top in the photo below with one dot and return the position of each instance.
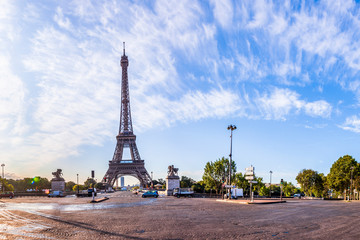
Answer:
(125, 114)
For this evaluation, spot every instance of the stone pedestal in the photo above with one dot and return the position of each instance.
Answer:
(171, 183)
(58, 185)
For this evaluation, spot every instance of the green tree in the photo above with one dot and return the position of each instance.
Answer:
(99, 185)
(289, 189)
(241, 182)
(339, 177)
(186, 182)
(81, 187)
(89, 183)
(69, 186)
(264, 191)
(257, 186)
(42, 183)
(215, 173)
(320, 187)
(275, 190)
(5, 185)
(198, 187)
(306, 178)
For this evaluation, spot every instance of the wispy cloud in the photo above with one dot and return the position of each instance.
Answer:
(223, 12)
(280, 102)
(187, 61)
(351, 124)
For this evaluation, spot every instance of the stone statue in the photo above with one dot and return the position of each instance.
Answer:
(58, 174)
(172, 180)
(58, 182)
(172, 171)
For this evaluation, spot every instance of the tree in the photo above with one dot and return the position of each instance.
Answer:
(289, 189)
(240, 181)
(81, 187)
(43, 183)
(306, 178)
(198, 187)
(5, 185)
(89, 183)
(339, 177)
(264, 191)
(99, 185)
(186, 182)
(69, 186)
(216, 173)
(257, 186)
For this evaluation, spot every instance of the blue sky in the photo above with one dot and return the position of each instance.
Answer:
(287, 75)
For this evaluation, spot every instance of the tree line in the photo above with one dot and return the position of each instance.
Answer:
(39, 184)
(343, 179)
(216, 173)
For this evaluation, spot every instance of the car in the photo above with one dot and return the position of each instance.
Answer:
(6, 194)
(297, 195)
(56, 194)
(150, 194)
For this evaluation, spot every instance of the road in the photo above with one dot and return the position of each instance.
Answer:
(128, 216)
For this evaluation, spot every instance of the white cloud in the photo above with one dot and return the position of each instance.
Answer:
(280, 102)
(12, 93)
(318, 108)
(223, 12)
(260, 17)
(159, 111)
(351, 124)
(79, 74)
(62, 21)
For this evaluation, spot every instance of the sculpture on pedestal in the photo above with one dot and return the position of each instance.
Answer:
(172, 180)
(58, 182)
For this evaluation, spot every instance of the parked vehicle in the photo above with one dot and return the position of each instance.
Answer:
(183, 192)
(6, 194)
(297, 195)
(90, 192)
(56, 194)
(150, 193)
(237, 192)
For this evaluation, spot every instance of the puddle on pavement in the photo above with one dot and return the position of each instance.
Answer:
(70, 207)
(16, 225)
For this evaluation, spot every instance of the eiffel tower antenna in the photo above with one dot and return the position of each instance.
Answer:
(118, 166)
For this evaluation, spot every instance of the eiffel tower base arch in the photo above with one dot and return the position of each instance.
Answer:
(134, 169)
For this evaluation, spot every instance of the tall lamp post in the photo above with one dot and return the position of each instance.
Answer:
(231, 128)
(3, 165)
(77, 177)
(270, 183)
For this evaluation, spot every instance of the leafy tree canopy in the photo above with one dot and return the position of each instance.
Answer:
(340, 173)
(216, 173)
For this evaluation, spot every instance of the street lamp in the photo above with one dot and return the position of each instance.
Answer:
(351, 182)
(231, 128)
(3, 165)
(77, 176)
(270, 182)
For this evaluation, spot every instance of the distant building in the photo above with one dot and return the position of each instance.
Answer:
(122, 181)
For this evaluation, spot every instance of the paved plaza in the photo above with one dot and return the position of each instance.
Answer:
(128, 216)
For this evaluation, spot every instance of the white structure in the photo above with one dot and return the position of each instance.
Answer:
(122, 181)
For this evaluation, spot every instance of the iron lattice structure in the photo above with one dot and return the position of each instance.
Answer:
(126, 139)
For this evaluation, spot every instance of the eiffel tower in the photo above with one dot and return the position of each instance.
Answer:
(126, 139)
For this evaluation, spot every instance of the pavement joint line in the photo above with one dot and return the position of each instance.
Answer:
(249, 202)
